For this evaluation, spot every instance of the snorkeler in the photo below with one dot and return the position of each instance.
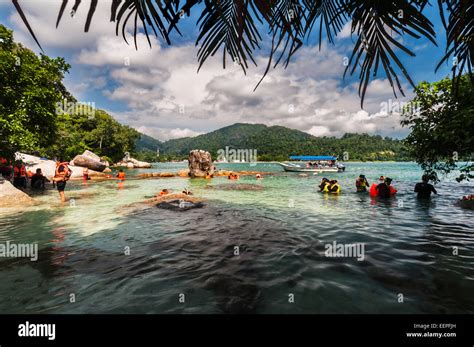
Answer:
(424, 189)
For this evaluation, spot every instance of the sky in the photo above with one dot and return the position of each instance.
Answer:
(159, 91)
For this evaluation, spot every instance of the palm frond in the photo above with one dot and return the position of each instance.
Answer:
(230, 25)
(371, 20)
(331, 16)
(459, 36)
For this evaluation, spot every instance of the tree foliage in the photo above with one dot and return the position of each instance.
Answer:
(442, 132)
(277, 143)
(29, 90)
(31, 119)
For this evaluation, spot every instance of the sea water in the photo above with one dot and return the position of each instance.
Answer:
(256, 246)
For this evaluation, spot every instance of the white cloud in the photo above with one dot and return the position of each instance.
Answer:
(167, 98)
(345, 31)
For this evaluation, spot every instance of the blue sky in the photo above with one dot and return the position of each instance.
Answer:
(161, 94)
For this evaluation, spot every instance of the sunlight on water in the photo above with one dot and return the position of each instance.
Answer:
(280, 224)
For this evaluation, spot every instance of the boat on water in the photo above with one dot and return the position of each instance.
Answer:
(311, 163)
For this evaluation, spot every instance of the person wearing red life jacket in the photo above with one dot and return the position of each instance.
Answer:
(19, 175)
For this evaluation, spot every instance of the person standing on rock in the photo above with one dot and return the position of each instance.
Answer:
(61, 176)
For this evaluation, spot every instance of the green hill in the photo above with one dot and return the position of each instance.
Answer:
(147, 143)
(277, 143)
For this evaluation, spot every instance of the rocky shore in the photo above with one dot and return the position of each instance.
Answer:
(185, 173)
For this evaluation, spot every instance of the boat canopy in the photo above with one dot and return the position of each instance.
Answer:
(312, 157)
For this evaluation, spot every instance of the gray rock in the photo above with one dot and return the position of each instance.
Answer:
(200, 163)
(11, 196)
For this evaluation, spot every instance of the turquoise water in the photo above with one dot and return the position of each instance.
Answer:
(280, 228)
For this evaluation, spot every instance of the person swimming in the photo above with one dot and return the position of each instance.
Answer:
(384, 189)
(361, 184)
(38, 180)
(187, 192)
(233, 176)
(163, 192)
(324, 185)
(334, 187)
(424, 189)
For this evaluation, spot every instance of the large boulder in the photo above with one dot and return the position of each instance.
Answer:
(11, 196)
(48, 167)
(83, 161)
(200, 163)
(132, 163)
(89, 160)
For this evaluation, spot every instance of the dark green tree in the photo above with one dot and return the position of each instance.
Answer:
(442, 129)
(30, 88)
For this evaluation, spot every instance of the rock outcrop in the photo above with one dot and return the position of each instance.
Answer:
(156, 174)
(132, 163)
(200, 164)
(13, 197)
(90, 161)
(48, 167)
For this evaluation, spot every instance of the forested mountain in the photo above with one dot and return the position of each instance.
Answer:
(277, 143)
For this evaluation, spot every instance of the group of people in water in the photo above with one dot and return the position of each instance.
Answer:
(21, 176)
(37, 181)
(382, 189)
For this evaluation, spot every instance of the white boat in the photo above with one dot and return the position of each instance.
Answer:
(313, 164)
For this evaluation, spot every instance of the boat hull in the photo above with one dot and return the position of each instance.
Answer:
(295, 168)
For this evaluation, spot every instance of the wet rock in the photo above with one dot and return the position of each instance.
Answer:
(179, 205)
(239, 186)
(183, 173)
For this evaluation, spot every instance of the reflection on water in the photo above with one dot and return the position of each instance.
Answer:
(245, 250)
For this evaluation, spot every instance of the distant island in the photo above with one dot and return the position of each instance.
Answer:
(275, 143)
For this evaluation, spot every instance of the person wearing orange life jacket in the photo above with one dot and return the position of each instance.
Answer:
(61, 176)
(19, 175)
(121, 175)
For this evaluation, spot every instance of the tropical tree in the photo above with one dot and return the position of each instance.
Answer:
(238, 27)
(30, 89)
(442, 128)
